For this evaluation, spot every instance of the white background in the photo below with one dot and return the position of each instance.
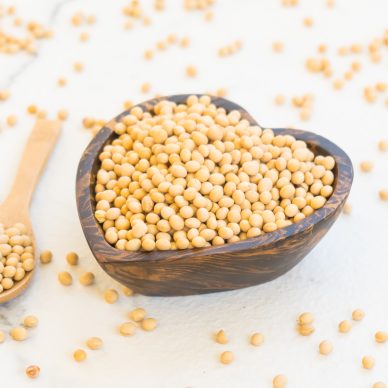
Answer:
(347, 270)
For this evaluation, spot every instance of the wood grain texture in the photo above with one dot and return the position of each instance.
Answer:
(211, 269)
(15, 208)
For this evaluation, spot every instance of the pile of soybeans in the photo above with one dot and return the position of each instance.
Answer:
(16, 255)
(193, 175)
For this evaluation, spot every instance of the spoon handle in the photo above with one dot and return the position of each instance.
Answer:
(41, 142)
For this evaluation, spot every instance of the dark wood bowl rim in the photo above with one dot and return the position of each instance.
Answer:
(94, 231)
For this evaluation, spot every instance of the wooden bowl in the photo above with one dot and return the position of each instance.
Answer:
(211, 269)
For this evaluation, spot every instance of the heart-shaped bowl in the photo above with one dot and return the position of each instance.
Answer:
(216, 268)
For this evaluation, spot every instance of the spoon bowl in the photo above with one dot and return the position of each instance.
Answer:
(10, 220)
(216, 268)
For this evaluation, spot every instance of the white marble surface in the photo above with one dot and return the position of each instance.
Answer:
(348, 269)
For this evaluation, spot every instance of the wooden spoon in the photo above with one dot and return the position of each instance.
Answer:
(15, 208)
(216, 268)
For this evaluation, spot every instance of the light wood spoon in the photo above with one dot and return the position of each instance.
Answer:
(15, 208)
